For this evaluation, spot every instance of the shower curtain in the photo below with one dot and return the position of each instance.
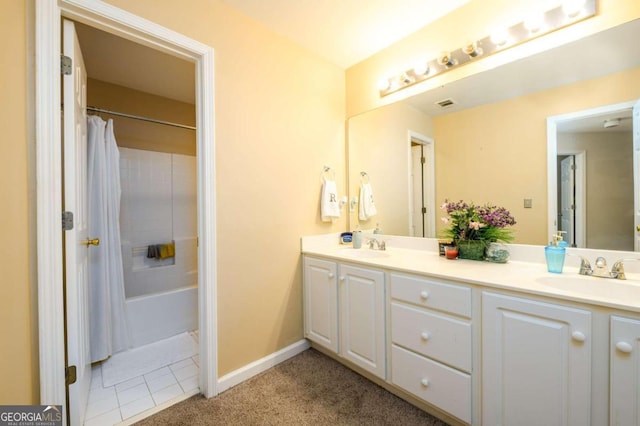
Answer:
(108, 326)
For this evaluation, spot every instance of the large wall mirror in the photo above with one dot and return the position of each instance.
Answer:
(485, 139)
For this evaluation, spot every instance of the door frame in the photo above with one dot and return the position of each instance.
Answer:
(47, 103)
(429, 189)
(552, 158)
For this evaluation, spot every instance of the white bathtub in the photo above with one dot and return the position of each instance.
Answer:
(158, 316)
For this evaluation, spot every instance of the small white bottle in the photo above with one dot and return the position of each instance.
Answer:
(377, 230)
(357, 239)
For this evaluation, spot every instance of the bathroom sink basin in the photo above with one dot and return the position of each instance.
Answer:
(601, 288)
(364, 253)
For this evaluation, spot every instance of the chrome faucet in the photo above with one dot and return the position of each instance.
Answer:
(601, 270)
(379, 245)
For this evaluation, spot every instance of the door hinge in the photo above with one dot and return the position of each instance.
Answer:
(67, 221)
(424, 210)
(65, 65)
(573, 167)
(423, 160)
(70, 375)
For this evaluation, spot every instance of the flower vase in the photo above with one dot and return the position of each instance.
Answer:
(471, 249)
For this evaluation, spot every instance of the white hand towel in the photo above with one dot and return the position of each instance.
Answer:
(329, 207)
(367, 207)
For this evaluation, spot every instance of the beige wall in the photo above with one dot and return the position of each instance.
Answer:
(474, 20)
(279, 119)
(17, 353)
(379, 145)
(497, 153)
(609, 186)
(141, 134)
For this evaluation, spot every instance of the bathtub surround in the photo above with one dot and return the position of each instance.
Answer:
(158, 207)
(107, 317)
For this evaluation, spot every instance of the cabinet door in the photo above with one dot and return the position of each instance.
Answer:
(362, 333)
(625, 371)
(321, 302)
(536, 362)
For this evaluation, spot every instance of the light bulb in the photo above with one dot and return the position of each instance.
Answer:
(571, 8)
(534, 22)
(383, 84)
(499, 36)
(422, 68)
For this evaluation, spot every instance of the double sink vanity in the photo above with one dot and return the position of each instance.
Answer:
(477, 342)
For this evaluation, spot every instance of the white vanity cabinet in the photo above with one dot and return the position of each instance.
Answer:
(345, 312)
(536, 362)
(624, 395)
(431, 344)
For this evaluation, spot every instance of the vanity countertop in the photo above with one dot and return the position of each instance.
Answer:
(522, 276)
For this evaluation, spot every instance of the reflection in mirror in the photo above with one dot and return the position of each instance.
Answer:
(594, 184)
(388, 144)
(490, 146)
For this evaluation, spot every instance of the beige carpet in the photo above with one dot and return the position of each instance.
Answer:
(308, 389)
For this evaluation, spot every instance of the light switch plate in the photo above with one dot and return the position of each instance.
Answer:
(528, 203)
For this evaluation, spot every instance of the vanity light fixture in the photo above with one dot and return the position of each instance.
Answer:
(538, 24)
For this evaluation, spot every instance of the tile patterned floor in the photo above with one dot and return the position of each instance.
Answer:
(113, 404)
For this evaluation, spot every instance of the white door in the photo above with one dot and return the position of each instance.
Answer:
(625, 371)
(416, 221)
(636, 174)
(567, 198)
(362, 330)
(321, 302)
(536, 363)
(75, 240)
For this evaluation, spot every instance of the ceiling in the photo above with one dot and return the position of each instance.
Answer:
(345, 32)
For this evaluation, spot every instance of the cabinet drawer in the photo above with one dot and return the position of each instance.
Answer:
(420, 291)
(444, 387)
(432, 334)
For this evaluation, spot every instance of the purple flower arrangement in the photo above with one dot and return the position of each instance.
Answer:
(486, 223)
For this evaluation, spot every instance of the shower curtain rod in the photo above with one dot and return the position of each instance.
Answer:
(137, 117)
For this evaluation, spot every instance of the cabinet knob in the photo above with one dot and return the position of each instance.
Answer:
(624, 347)
(331, 275)
(578, 336)
(341, 278)
(425, 335)
(424, 294)
(424, 382)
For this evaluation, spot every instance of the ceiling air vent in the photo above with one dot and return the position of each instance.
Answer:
(445, 103)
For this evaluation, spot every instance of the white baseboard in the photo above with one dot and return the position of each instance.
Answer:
(248, 371)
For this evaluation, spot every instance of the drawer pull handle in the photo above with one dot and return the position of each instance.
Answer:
(578, 336)
(331, 275)
(425, 382)
(424, 294)
(425, 335)
(624, 347)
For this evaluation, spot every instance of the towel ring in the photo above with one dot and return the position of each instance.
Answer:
(327, 172)
(364, 177)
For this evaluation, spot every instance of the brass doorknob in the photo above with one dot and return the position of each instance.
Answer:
(638, 228)
(92, 242)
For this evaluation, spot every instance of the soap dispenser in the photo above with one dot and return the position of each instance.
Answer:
(555, 252)
(377, 230)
